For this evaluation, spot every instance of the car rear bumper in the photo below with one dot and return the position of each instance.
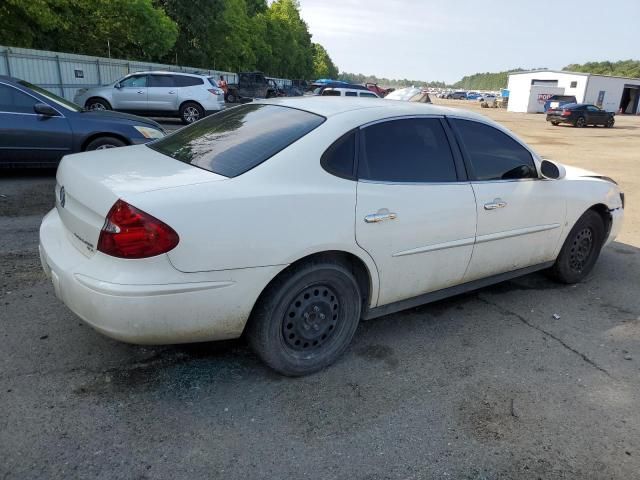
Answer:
(559, 119)
(153, 303)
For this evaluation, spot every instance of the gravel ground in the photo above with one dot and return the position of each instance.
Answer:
(487, 385)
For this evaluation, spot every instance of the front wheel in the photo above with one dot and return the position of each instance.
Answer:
(306, 318)
(97, 104)
(580, 250)
(191, 112)
(610, 122)
(102, 143)
(555, 124)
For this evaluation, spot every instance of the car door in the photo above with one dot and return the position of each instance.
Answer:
(130, 94)
(162, 93)
(415, 214)
(595, 115)
(27, 137)
(520, 216)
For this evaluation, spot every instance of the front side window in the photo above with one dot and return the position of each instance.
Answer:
(59, 101)
(165, 81)
(493, 154)
(330, 93)
(14, 101)
(593, 108)
(135, 81)
(238, 139)
(407, 150)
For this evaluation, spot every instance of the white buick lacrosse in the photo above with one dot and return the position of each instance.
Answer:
(292, 220)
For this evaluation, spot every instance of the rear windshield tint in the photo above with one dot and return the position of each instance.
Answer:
(236, 140)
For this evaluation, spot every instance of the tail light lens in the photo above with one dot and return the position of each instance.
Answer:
(566, 113)
(128, 232)
(215, 91)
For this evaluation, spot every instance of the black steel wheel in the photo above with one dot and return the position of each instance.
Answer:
(306, 318)
(581, 122)
(581, 249)
(610, 122)
(554, 123)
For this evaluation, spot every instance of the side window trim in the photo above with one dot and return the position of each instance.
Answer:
(37, 100)
(457, 157)
(466, 157)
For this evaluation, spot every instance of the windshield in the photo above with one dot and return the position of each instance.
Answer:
(238, 139)
(61, 102)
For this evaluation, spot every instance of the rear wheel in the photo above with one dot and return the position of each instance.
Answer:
(191, 112)
(580, 250)
(580, 122)
(610, 122)
(554, 123)
(232, 97)
(97, 104)
(102, 143)
(306, 318)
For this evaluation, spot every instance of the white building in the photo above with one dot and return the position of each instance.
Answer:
(528, 91)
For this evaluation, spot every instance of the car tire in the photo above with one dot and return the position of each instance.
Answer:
(97, 104)
(610, 123)
(232, 97)
(306, 318)
(580, 122)
(191, 112)
(555, 124)
(580, 250)
(102, 143)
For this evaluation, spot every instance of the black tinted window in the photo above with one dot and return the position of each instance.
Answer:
(331, 93)
(12, 100)
(161, 81)
(339, 157)
(411, 150)
(183, 81)
(350, 94)
(238, 139)
(493, 154)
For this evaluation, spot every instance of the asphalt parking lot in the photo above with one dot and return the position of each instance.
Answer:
(527, 379)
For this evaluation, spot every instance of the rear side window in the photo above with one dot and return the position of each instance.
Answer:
(331, 93)
(161, 81)
(409, 150)
(366, 94)
(350, 94)
(236, 140)
(339, 157)
(493, 154)
(184, 81)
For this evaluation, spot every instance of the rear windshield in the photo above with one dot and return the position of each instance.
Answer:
(236, 140)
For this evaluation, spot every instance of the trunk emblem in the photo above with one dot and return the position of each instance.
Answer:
(63, 197)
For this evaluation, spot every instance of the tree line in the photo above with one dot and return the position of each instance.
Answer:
(387, 82)
(230, 35)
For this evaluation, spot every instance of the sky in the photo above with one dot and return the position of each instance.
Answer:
(445, 40)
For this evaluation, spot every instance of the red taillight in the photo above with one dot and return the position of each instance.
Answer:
(131, 233)
(566, 113)
(213, 91)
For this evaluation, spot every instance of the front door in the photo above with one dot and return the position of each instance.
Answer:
(131, 94)
(162, 93)
(520, 216)
(413, 215)
(27, 138)
(596, 115)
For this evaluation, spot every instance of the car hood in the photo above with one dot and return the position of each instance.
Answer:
(119, 117)
(577, 173)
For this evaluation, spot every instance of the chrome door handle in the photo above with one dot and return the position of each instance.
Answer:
(140, 92)
(497, 203)
(379, 217)
(172, 92)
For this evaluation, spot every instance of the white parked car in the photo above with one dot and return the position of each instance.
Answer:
(347, 92)
(293, 219)
(157, 94)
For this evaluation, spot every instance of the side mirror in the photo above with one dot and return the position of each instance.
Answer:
(552, 171)
(44, 109)
(118, 86)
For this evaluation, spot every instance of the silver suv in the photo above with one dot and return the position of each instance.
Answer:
(157, 94)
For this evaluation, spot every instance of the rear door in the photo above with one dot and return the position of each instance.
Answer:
(520, 216)
(415, 213)
(26, 137)
(132, 94)
(162, 93)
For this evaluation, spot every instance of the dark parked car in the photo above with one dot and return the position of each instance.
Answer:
(250, 85)
(580, 115)
(37, 128)
(556, 101)
(457, 95)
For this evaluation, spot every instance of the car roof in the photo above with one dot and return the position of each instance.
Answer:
(371, 107)
(167, 72)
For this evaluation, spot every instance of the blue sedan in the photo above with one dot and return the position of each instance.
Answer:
(37, 128)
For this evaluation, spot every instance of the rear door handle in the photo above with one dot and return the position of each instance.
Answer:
(140, 92)
(172, 92)
(497, 203)
(379, 217)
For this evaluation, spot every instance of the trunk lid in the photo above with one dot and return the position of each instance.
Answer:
(88, 184)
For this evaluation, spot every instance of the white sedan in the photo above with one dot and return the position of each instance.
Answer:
(291, 220)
